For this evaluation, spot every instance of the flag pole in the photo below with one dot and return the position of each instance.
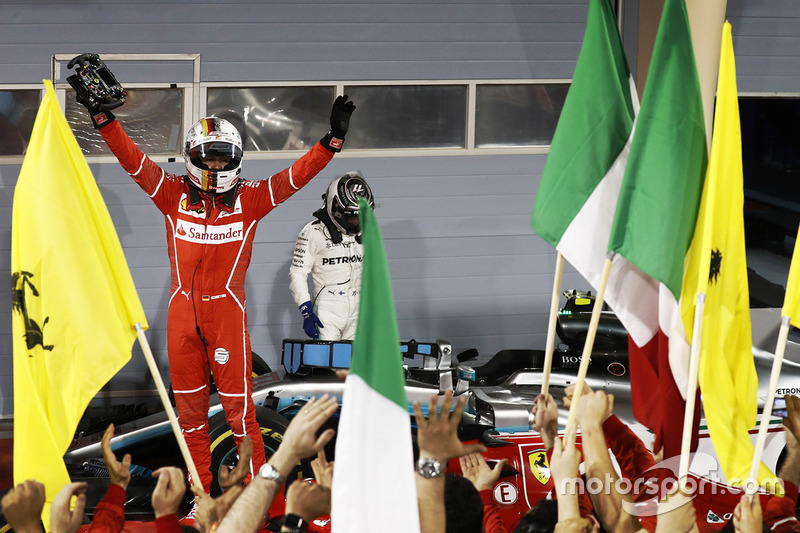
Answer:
(551, 326)
(789, 314)
(173, 420)
(763, 425)
(587, 350)
(691, 389)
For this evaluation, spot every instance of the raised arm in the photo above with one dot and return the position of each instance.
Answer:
(299, 442)
(593, 409)
(545, 419)
(437, 436)
(564, 469)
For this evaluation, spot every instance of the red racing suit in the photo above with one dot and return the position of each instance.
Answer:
(109, 515)
(210, 240)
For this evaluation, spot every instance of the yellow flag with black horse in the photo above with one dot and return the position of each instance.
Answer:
(74, 304)
(716, 267)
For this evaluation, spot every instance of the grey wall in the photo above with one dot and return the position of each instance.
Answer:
(464, 261)
(766, 41)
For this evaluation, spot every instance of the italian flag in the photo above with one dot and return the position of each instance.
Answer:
(373, 481)
(654, 224)
(577, 197)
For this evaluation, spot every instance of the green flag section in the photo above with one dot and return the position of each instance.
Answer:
(791, 302)
(716, 267)
(593, 128)
(376, 332)
(660, 194)
(374, 436)
(74, 302)
(575, 202)
(654, 223)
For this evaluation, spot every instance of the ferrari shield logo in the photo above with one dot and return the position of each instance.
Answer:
(186, 208)
(539, 466)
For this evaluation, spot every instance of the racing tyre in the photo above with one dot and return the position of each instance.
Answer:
(260, 367)
(224, 451)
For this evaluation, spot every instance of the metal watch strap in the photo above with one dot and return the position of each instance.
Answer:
(268, 472)
(429, 468)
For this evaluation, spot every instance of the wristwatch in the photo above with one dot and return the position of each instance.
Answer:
(294, 523)
(268, 472)
(429, 468)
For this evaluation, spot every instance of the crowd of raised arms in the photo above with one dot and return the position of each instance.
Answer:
(449, 502)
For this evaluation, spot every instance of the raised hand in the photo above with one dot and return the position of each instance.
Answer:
(340, 123)
(594, 408)
(118, 473)
(309, 500)
(477, 470)
(323, 470)
(545, 418)
(22, 507)
(231, 478)
(340, 116)
(62, 519)
(437, 435)
(169, 491)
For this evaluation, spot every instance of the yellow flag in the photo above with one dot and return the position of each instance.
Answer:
(716, 266)
(74, 303)
(791, 302)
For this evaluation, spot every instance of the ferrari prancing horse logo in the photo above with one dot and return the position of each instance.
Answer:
(540, 468)
(34, 333)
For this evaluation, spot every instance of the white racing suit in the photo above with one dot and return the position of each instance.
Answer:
(335, 270)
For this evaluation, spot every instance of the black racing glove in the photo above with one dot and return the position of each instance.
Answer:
(96, 88)
(99, 118)
(340, 123)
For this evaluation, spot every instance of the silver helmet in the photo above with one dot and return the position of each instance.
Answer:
(341, 200)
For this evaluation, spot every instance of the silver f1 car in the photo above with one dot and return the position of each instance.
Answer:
(500, 392)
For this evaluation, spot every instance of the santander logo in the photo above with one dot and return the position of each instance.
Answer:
(199, 233)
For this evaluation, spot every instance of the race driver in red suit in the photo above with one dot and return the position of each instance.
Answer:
(211, 215)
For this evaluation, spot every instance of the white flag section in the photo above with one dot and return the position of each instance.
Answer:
(577, 197)
(374, 484)
(374, 488)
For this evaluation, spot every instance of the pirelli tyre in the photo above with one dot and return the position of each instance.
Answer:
(223, 447)
(260, 367)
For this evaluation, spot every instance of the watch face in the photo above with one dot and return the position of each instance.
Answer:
(267, 471)
(429, 468)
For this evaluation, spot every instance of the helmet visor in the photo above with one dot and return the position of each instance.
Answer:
(348, 221)
(216, 155)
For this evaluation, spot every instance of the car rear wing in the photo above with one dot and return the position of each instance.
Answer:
(299, 353)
